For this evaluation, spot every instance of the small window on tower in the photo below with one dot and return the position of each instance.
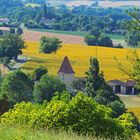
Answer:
(63, 77)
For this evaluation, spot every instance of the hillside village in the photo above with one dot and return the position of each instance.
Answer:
(69, 70)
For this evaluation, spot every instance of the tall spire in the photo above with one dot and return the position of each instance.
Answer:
(66, 67)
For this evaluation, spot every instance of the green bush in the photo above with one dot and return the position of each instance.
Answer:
(45, 88)
(80, 114)
(49, 45)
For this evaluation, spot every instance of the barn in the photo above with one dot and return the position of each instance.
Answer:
(121, 87)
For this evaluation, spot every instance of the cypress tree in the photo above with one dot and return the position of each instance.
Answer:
(97, 88)
(94, 78)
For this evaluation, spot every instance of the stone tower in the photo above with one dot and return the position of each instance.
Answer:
(66, 73)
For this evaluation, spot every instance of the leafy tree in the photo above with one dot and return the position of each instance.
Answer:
(117, 106)
(126, 120)
(11, 46)
(19, 31)
(105, 41)
(109, 99)
(97, 88)
(135, 122)
(49, 45)
(132, 38)
(4, 104)
(79, 84)
(1, 77)
(107, 20)
(94, 78)
(17, 87)
(95, 31)
(81, 115)
(1, 33)
(133, 28)
(39, 72)
(90, 40)
(96, 39)
(12, 30)
(134, 23)
(46, 87)
(118, 46)
(133, 71)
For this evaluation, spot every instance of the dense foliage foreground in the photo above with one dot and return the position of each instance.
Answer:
(80, 115)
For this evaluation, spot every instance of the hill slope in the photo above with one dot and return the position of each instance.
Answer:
(79, 56)
(30, 35)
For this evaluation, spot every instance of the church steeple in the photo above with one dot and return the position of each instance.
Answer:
(66, 67)
(66, 74)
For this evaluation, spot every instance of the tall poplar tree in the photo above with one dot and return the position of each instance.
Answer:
(97, 88)
(94, 78)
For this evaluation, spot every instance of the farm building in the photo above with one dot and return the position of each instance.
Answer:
(5, 30)
(4, 20)
(66, 74)
(127, 87)
(116, 85)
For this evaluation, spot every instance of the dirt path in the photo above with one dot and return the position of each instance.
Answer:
(20, 62)
(67, 39)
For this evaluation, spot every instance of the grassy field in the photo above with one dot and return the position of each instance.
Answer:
(61, 32)
(32, 5)
(18, 133)
(118, 37)
(79, 33)
(30, 35)
(79, 56)
(68, 37)
(13, 133)
(136, 111)
(132, 102)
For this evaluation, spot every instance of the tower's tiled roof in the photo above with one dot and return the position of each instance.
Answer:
(66, 67)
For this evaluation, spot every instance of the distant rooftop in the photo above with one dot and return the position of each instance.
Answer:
(115, 82)
(66, 67)
(130, 83)
(4, 19)
(4, 28)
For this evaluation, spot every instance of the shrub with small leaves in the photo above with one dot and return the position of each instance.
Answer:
(81, 115)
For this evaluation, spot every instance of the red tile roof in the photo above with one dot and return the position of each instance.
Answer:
(130, 83)
(66, 67)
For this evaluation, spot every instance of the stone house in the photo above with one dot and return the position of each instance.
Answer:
(66, 74)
